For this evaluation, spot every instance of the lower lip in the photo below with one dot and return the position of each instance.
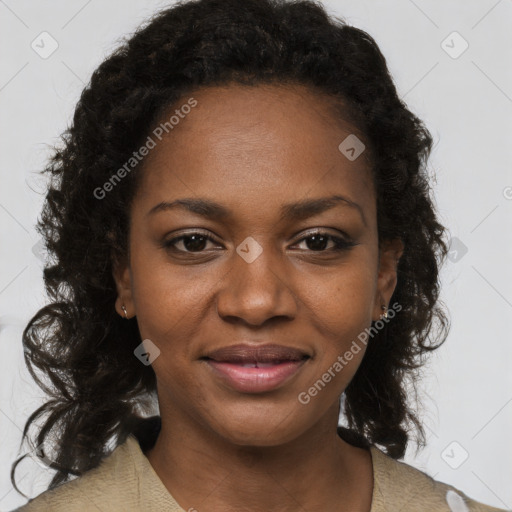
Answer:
(255, 380)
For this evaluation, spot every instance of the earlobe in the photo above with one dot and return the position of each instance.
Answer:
(389, 255)
(124, 302)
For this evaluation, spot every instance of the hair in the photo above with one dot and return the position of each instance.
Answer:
(80, 351)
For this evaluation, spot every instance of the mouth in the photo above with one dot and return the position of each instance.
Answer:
(255, 369)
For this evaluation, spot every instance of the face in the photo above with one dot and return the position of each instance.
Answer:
(274, 242)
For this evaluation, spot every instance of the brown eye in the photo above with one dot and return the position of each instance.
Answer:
(189, 242)
(317, 242)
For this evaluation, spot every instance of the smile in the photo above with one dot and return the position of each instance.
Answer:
(255, 377)
(256, 369)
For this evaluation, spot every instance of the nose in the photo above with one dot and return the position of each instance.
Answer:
(252, 293)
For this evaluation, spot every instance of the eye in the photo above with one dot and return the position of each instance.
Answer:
(197, 241)
(189, 242)
(316, 241)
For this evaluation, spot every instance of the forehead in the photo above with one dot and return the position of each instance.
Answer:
(244, 142)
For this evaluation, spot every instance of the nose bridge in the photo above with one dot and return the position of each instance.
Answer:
(256, 288)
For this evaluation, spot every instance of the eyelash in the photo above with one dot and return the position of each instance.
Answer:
(340, 244)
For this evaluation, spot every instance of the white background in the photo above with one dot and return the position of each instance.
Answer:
(466, 102)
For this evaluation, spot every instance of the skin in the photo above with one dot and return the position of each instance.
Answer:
(253, 149)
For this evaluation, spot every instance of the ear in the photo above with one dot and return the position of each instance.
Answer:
(390, 253)
(121, 273)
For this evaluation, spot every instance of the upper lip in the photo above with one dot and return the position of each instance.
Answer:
(244, 353)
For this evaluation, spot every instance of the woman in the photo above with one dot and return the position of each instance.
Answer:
(242, 230)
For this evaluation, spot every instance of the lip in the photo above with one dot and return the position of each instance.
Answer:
(256, 369)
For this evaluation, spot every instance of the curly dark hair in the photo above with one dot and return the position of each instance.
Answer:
(80, 351)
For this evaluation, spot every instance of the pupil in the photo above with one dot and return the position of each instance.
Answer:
(198, 242)
(315, 239)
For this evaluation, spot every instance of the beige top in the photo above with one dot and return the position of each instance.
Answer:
(125, 481)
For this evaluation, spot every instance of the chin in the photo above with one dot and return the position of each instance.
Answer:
(260, 432)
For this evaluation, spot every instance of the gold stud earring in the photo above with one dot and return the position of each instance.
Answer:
(124, 311)
(385, 309)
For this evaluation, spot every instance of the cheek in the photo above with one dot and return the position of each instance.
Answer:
(341, 303)
(341, 309)
(170, 305)
(169, 300)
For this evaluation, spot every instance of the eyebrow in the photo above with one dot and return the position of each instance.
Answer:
(291, 211)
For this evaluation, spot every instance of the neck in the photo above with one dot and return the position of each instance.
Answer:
(316, 471)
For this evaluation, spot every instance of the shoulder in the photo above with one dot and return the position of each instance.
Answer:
(407, 488)
(124, 480)
(93, 490)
